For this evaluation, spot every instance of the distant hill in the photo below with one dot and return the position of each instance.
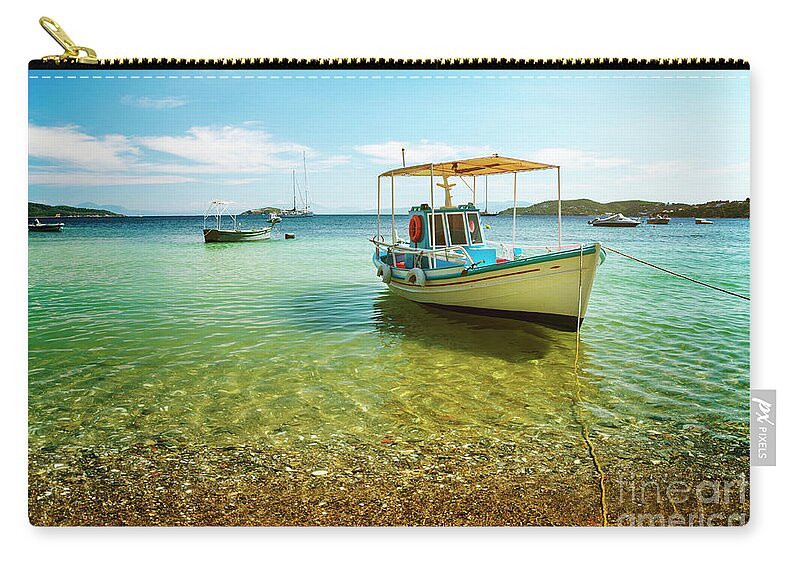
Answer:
(260, 211)
(108, 207)
(717, 209)
(44, 211)
(586, 207)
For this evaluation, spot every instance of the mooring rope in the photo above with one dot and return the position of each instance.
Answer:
(677, 274)
(578, 400)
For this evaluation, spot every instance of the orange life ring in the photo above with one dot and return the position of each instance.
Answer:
(415, 229)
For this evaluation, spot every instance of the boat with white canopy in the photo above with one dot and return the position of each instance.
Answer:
(214, 232)
(447, 260)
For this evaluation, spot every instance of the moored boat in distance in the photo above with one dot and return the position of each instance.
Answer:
(658, 220)
(448, 262)
(305, 211)
(218, 210)
(38, 226)
(614, 221)
(702, 221)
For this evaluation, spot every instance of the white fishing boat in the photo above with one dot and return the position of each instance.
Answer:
(38, 226)
(214, 232)
(614, 221)
(447, 260)
(305, 210)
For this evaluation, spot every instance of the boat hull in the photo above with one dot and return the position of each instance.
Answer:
(544, 288)
(615, 224)
(229, 236)
(46, 228)
(296, 214)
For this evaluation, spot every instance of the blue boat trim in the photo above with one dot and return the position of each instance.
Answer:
(545, 258)
(553, 256)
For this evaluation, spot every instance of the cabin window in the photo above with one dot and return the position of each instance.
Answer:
(474, 224)
(458, 230)
(439, 234)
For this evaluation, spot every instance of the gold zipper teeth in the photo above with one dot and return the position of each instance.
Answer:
(440, 64)
(81, 57)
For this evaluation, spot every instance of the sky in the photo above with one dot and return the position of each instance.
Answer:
(168, 142)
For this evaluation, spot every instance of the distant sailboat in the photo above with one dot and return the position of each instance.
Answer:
(305, 211)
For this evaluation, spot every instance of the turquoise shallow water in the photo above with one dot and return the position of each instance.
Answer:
(138, 330)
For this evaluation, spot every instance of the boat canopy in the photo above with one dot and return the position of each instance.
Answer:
(481, 166)
(473, 167)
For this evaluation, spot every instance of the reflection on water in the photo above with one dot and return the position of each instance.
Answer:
(437, 328)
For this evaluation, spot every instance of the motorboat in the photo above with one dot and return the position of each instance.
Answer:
(38, 226)
(614, 221)
(214, 232)
(658, 220)
(702, 221)
(447, 261)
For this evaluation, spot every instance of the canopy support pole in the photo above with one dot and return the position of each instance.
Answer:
(432, 227)
(486, 194)
(378, 237)
(558, 171)
(393, 230)
(514, 222)
(474, 188)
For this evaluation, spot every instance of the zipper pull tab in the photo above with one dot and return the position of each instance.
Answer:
(72, 52)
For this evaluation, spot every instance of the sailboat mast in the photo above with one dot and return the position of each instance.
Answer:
(305, 176)
(294, 193)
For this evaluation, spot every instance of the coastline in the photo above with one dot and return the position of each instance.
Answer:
(432, 483)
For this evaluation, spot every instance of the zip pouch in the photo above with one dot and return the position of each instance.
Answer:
(386, 292)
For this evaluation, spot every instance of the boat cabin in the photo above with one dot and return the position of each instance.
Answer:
(450, 236)
(446, 227)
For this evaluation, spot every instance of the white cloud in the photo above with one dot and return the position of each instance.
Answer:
(677, 169)
(227, 149)
(332, 161)
(68, 156)
(420, 152)
(93, 179)
(239, 181)
(69, 146)
(574, 159)
(153, 103)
